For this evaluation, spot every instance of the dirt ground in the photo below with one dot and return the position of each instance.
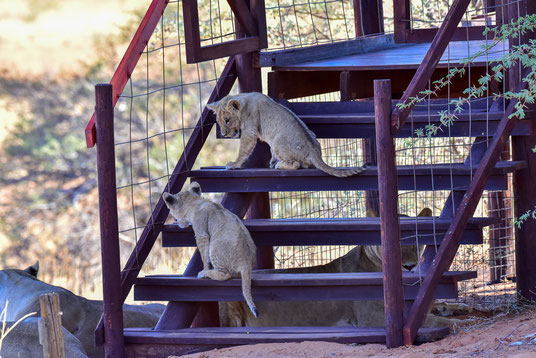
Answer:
(509, 336)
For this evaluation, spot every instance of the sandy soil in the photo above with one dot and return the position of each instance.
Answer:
(54, 36)
(513, 336)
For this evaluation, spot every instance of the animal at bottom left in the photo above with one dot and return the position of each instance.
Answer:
(20, 290)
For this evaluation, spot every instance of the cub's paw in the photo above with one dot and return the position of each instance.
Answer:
(233, 165)
(202, 274)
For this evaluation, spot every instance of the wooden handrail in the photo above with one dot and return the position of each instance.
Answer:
(130, 59)
(430, 61)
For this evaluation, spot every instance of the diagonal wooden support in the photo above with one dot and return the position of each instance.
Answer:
(449, 246)
(243, 15)
(430, 61)
(178, 177)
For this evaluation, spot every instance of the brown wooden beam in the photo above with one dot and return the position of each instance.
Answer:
(109, 227)
(368, 17)
(389, 221)
(449, 246)
(430, 61)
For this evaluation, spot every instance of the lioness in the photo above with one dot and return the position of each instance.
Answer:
(79, 315)
(328, 313)
(221, 237)
(256, 116)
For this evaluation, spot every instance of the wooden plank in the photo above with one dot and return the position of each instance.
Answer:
(130, 59)
(460, 34)
(288, 287)
(262, 279)
(326, 51)
(50, 328)
(228, 48)
(390, 229)
(431, 60)
(109, 229)
(445, 177)
(400, 57)
(449, 246)
(252, 335)
(177, 179)
(358, 231)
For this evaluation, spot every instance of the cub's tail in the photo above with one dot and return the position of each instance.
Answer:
(320, 164)
(246, 290)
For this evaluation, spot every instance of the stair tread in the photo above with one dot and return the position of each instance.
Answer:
(250, 335)
(343, 231)
(502, 167)
(343, 224)
(301, 279)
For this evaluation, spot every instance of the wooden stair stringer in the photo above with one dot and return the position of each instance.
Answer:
(155, 223)
(466, 208)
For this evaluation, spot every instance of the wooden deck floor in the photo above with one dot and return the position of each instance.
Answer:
(404, 57)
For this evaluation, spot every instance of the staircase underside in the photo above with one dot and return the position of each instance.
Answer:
(150, 343)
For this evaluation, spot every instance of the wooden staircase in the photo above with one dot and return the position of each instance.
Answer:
(246, 188)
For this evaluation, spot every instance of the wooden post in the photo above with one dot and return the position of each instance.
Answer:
(389, 221)
(111, 270)
(368, 17)
(523, 180)
(50, 328)
(250, 80)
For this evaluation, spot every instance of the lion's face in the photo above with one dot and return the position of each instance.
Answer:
(227, 111)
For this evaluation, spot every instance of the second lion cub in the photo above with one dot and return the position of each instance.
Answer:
(221, 237)
(254, 115)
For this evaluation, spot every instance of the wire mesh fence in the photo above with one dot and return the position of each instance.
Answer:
(165, 96)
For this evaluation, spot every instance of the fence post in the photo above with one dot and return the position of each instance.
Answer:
(389, 221)
(50, 328)
(111, 270)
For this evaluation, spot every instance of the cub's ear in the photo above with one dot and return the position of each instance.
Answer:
(33, 270)
(212, 106)
(194, 188)
(234, 105)
(169, 199)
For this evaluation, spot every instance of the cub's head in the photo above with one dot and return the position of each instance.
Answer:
(228, 111)
(177, 202)
(411, 254)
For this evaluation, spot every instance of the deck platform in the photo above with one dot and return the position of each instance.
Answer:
(353, 75)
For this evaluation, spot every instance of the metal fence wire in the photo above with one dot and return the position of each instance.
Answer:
(165, 96)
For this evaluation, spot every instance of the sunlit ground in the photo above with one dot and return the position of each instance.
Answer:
(47, 37)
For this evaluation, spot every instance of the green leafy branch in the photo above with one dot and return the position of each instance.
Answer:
(524, 54)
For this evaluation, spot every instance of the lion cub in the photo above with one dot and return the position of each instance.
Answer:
(254, 115)
(221, 237)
